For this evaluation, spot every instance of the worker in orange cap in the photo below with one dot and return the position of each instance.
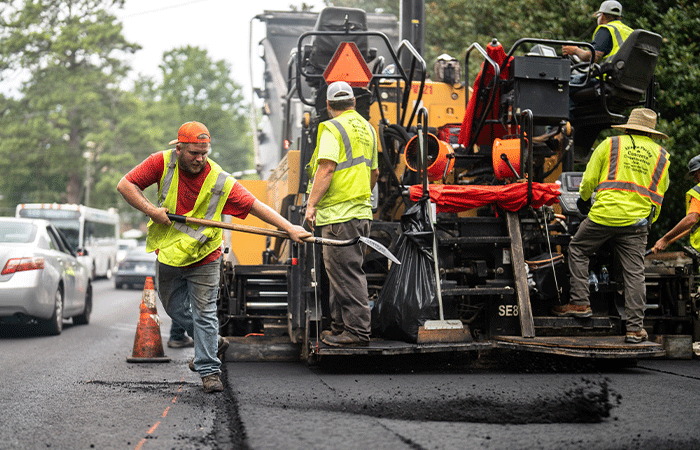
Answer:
(189, 259)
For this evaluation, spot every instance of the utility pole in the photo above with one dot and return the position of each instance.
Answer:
(88, 155)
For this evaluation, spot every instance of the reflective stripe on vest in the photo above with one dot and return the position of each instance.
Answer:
(216, 193)
(168, 178)
(650, 191)
(695, 229)
(349, 160)
(618, 32)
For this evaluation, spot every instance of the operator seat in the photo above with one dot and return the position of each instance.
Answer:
(336, 20)
(323, 47)
(621, 83)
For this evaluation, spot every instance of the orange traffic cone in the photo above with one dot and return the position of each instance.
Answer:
(148, 346)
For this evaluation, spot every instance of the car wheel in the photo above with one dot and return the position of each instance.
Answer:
(54, 325)
(84, 318)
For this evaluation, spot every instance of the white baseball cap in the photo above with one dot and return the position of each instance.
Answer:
(339, 90)
(610, 7)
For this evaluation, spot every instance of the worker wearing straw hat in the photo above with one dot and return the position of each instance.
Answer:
(630, 176)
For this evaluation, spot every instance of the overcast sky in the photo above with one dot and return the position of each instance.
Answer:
(220, 26)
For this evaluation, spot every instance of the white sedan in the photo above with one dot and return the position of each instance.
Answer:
(41, 279)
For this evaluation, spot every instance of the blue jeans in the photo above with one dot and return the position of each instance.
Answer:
(189, 297)
(177, 333)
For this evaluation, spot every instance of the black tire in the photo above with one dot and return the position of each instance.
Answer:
(84, 318)
(54, 325)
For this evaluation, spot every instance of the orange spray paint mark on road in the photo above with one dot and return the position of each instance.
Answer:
(165, 413)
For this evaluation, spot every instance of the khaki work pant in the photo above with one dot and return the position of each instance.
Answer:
(348, 298)
(630, 243)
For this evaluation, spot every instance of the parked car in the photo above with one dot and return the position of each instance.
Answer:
(134, 268)
(41, 279)
(124, 246)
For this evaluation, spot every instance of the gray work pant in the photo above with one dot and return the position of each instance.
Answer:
(348, 299)
(630, 243)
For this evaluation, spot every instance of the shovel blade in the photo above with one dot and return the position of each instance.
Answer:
(380, 248)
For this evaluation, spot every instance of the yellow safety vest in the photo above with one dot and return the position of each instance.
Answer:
(619, 32)
(182, 244)
(351, 180)
(632, 179)
(695, 229)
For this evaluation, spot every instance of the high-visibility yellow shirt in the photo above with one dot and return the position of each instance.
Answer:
(630, 175)
(351, 142)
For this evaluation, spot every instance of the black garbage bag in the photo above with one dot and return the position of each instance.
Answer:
(408, 297)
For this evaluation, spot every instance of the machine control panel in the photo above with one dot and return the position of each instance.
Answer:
(570, 181)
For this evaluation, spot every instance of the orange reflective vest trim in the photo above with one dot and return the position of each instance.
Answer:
(650, 191)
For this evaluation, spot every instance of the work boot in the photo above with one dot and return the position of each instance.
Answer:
(326, 333)
(212, 383)
(221, 349)
(184, 342)
(220, 352)
(572, 310)
(345, 339)
(636, 337)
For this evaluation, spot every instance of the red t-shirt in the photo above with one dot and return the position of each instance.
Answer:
(150, 171)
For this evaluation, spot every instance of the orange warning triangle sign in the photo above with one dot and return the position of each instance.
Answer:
(348, 65)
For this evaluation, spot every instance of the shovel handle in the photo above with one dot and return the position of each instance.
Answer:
(680, 236)
(228, 226)
(257, 230)
(284, 235)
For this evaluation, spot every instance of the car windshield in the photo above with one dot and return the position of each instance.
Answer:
(17, 232)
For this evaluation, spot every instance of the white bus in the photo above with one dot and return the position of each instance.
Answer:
(92, 233)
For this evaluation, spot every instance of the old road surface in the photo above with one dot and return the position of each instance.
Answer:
(76, 391)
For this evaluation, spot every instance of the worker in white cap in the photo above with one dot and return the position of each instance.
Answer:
(607, 37)
(344, 168)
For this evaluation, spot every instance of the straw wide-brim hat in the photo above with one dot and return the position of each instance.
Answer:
(642, 119)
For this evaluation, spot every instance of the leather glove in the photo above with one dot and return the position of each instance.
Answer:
(583, 205)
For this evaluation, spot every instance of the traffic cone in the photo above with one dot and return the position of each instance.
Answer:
(148, 346)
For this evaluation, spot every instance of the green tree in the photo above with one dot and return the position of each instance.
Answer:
(678, 78)
(195, 87)
(73, 50)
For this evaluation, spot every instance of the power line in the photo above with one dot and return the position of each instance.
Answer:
(164, 8)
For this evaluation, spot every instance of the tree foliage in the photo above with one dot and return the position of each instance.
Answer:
(202, 90)
(74, 52)
(72, 121)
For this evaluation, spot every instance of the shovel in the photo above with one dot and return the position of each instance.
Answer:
(284, 235)
(680, 236)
